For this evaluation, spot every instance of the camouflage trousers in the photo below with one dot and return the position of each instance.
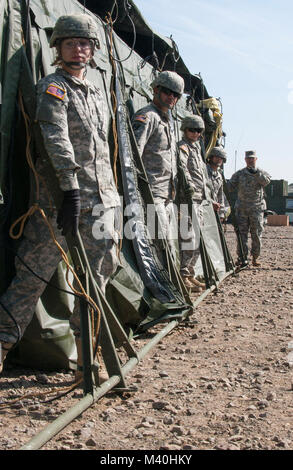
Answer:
(40, 253)
(189, 239)
(250, 219)
(168, 225)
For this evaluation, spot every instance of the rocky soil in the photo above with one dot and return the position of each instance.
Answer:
(222, 380)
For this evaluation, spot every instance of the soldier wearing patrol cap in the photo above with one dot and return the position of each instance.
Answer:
(73, 122)
(250, 204)
(154, 131)
(194, 168)
(216, 158)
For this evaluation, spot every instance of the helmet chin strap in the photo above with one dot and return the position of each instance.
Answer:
(74, 65)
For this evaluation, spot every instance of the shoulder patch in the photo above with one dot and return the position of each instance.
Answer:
(56, 91)
(141, 118)
(184, 147)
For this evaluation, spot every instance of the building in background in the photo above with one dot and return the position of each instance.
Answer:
(279, 197)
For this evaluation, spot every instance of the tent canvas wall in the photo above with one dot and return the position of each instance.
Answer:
(142, 292)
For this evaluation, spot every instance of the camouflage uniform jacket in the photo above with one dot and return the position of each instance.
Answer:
(194, 168)
(215, 184)
(74, 124)
(156, 142)
(249, 186)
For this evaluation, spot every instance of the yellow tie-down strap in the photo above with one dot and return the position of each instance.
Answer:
(214, 105)
(211, 103)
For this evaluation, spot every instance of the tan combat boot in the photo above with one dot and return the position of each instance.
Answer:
(254, 262)
(99, 375)
(4, 350)
(197, 283)
(190, 286)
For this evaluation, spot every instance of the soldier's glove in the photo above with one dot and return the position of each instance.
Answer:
(68, 214)
(252, 170)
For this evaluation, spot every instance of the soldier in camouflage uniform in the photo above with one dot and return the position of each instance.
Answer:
(194, 168)
(250, 204)
(216, 159)
(154, 131)
(73, 122)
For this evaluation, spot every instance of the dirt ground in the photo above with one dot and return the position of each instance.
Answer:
(222, 380)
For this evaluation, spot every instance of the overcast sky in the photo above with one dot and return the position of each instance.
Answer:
(243, 50)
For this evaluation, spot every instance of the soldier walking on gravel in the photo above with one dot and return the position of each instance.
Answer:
(73, 123)
(194, 168)
(250, 204)
(154, 131)
(216, 159)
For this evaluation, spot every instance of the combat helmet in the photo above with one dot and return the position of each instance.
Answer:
(192, 122)
(170, 80)
(218, 152)
(74, 26)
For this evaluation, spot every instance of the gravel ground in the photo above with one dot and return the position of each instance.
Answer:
(222, 380)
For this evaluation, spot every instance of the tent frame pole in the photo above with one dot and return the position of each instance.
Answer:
(52, 429)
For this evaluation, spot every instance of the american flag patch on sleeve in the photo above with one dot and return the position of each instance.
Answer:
(184, 148)
(56, 91)
(141, 118)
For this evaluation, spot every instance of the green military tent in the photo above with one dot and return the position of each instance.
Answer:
(142, 292)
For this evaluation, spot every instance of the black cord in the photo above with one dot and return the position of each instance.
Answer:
(117, 13)
(127, 7)
(15, 323)
(175, 50)
(62, 290)
(46, 282)
(152, 58)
